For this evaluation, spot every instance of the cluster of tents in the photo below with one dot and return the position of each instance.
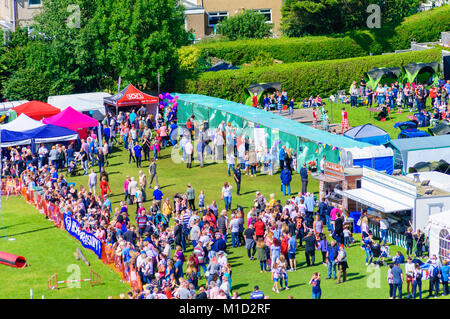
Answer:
(39, 122)
(419, 73)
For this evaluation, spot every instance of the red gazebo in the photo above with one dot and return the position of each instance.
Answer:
(131, 96)
(37, 110)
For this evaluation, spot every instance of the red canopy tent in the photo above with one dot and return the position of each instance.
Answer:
(37, 110)
(131, 96)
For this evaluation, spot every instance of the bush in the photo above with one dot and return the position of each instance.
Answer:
(424, 27)
(245, 25)
(299, 79)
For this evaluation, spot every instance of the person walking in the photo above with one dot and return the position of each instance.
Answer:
(190, 196)
(310, 248)
(332, 254)
(261, 254)
(137, 151)
(286, 177)
(397, 280)
(250, 241)
(344, 124)
(342, 264)
(315, 282)
(226, 195)
(237, 178)
(188, 149)
(153, 173)
(417, 284)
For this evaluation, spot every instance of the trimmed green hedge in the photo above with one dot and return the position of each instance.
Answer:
(424, 27)
(300, 79)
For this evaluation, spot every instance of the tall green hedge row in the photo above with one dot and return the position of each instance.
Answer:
(424, 27)
(300, 79)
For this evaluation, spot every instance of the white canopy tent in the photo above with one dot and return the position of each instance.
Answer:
(21, 124)
(439, 234)
(5, 106)
(83, 102)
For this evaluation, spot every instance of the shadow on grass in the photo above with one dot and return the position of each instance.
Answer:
(31, 231)
(239, 286)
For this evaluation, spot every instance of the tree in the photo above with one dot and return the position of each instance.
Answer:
(322, 17)
(85, 45)
(246, 24)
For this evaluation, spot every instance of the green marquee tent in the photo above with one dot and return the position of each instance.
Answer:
(308, 143)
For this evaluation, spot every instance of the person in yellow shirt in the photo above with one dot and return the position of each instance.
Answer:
(167, 209)
(272, 201)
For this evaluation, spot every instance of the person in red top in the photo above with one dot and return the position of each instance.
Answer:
(259, 228)
(104, 187)
(314, 114)
(344, 123)
(433, 95)
(255, 100)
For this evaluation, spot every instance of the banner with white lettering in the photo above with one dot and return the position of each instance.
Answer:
(86, 239)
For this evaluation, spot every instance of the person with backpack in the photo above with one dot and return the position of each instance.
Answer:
(435, 275)
(417, 283)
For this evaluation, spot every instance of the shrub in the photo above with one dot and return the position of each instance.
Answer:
(424, 27)
(300, 79)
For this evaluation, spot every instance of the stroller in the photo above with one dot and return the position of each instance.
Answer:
(380, 252)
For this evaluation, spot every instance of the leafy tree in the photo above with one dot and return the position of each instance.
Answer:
(245, 25)
(320, 17)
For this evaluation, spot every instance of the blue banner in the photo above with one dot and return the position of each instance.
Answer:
(88, 240)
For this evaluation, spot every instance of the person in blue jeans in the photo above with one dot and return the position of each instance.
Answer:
(397, 280)
(315, 282)
(286, 177)
(368, 243)
(417, 281)
(331, 259)
(444, 277)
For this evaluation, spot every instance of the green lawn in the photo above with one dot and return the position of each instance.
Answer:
(361, 115)
(49, 250)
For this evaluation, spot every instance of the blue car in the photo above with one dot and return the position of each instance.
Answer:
(409, 129)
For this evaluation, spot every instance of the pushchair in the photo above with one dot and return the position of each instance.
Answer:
(380, 252)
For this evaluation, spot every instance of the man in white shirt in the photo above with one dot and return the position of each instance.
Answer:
(189, 148)
(218, 143)
(43, 152)
(92, 182)
(230, 162)
(384, 226)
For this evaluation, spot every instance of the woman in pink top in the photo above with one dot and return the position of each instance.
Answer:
(333, 214)
(163, 134)
(125, 187)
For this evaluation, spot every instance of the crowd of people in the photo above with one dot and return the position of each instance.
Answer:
(155, 242)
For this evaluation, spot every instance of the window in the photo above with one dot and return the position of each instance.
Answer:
(215, 17)
(34, 2)
(266, 12)
(444, 244)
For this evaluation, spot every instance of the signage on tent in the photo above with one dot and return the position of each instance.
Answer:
(135, 96)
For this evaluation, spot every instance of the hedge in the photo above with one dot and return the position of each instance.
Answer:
(424, 27)
(301, 79)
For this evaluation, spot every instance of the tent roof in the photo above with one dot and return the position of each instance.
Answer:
(71, 119)
(271, 120)
(377, 73)
(36, 110)
(222, 66)
(130, 96)
(261, 87)
(5, 106)
(365, 130)
(417, 143)
(49, 132)
(11, 138)
(414, 67)
(442, 218)
(21, 124)
(81, 102)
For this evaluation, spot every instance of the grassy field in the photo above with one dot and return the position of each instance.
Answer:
(49, 250)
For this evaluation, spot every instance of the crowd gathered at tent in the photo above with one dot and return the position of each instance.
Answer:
(156, 241)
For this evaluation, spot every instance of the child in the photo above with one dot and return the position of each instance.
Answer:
(283, 272)
(314, 114)
(347, 234)
(275, 277)
(399, 102)
(323, 246)
(291, 107)
(325, 121)
(344, 123)
(201, 202)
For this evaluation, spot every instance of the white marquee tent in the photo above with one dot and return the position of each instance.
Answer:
(83, 102)
(439, 234)
(21, 124)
